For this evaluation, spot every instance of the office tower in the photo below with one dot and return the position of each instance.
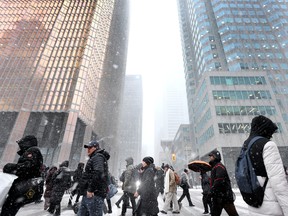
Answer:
(52, 59)
(235, 57)
(130, 125)
(171, 112)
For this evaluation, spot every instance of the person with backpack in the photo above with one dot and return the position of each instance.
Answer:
(222, 196)
(94, 182)
(170, 189)
(185, 185)
(61, 181)
(268, 166)
(147, 204)
(129, 186)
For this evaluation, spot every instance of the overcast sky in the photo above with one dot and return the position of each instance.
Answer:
(154, 52)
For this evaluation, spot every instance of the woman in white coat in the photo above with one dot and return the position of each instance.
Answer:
(267, 163)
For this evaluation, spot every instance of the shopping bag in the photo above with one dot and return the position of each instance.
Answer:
(6, 181)
(112, 190)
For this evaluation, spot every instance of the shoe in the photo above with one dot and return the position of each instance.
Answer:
(118, 205)
(109, 211)
(175, 212)
(130, 207)
(163, 212)
(192, 205)
(205, 213)
(180, 205)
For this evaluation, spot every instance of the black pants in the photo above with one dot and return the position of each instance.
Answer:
(10, 206)
(126, 198)
(187, 194)
(218, 204)
(206, 202)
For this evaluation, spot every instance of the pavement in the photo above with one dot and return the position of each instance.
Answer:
(196, 196)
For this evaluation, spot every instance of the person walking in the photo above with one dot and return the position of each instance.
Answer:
(94, 184)
(205, 183)
(61, 181)
(148, 204)
(28, 166)
(267, 163)
(49, 186)
(221, 191)
(185, 186)
(75, 187)
(129, 187)
(170, 189)
(159, 180)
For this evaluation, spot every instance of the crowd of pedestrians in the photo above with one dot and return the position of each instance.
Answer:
(90, 181)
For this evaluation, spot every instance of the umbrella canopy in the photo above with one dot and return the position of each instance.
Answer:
(198, 166)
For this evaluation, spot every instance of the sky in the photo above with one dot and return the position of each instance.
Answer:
(154, 51)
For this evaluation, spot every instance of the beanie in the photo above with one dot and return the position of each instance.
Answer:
(148, 160)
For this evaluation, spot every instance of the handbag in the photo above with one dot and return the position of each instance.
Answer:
(112, 190)
(28, 190)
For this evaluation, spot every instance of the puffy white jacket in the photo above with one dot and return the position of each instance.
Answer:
(276, 193)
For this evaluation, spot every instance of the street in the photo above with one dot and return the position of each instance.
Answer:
(196, 196)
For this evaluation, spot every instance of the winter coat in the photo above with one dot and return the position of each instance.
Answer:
(147, 191)
(159, 180)
(267, 162)
(49, 182)
(61, 181)
(220, 182)
(205, 183)
(95, 176)
(169, 182)
(184, 181)
(129, 184)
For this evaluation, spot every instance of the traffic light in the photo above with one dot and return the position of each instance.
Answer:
(173, 157)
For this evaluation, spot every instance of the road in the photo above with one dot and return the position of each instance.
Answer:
(37, 209)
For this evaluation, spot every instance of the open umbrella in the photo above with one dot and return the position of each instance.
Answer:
(199, 165)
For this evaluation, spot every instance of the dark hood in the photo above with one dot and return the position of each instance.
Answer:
(64, 164)
(26, 143)
(262, 126)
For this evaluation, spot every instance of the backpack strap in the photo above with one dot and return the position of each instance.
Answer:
(252, 141)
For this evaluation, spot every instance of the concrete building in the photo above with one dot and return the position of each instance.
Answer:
(53, 56)
(130, 125)
(235, 58)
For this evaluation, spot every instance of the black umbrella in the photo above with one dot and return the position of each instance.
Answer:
(198, 166)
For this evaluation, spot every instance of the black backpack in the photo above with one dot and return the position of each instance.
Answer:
(249, 186)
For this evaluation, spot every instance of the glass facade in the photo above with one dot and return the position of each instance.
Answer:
(51, 59)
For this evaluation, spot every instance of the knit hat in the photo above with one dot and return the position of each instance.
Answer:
(148, 160)
(263, 126)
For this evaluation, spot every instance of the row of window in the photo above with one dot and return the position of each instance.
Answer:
(228, 80)
(241, 95)
(227, 128)
(245, 110)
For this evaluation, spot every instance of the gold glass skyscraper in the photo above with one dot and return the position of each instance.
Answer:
(52, 54)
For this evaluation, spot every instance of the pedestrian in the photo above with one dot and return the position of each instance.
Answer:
(148, 204)
(28, 166)
(170, 189)
(221, 192)
(205, 183)
(267, 163)
(122, 179)
(75, 185)
(49, 186)
(94, 184)
(159, 180)
(61, 181)
(185, 185)
(108, 200)
(129, 187)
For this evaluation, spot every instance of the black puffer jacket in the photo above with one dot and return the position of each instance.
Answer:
(95, 176)
(30, 161)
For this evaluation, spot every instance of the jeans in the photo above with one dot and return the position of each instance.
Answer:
(91, 206)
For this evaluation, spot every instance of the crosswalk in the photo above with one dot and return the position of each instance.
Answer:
(196, 196)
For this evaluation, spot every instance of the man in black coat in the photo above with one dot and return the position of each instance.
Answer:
(94, 183)
(28, 166)
(221, 191)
